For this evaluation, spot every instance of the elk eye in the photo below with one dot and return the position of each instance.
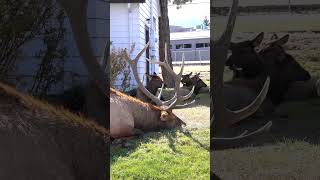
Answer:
(164, 116)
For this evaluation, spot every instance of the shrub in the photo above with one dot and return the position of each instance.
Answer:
(120, 68)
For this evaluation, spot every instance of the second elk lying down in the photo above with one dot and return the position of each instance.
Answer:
(130, 115)
(189, 82)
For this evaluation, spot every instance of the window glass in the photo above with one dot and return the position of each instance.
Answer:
(178, 46)
(187, 46)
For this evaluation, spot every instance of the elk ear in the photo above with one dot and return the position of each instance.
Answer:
(190, 74)
(257, 40)
(282, 40)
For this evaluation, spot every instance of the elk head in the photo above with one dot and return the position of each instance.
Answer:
(223, 117)
(282, 68)
(198, 83)
(281, 64)
(193, 81)
(186, 80)
(154, 83)
(244, 60)
(271, 61)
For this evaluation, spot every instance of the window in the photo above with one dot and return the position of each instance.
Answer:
(170, 46)
(187, 46)
(206, 44)
(199, 45)
(178, 46)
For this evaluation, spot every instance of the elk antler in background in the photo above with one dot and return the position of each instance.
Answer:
(223, 117)
(77, 13)
(177, 98)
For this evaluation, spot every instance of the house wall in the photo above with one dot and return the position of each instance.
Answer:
(128, 27)
(75, 71)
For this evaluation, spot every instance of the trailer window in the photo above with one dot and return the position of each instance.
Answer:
(199, 45)
(187, 46)
(178, 46)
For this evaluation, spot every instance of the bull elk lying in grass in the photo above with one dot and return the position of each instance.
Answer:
(130, 116)
(40, 141)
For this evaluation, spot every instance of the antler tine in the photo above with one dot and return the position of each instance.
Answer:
(180, 106)
(136, 59)
(160, 93)
(177, 79)
(165, 108)
(76, 11)
(224, 116)
(220, 142)
(133, 63)
(183, 98)
(182, 66)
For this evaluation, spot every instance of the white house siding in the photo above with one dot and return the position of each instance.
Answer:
(98, 20)
(127, 26)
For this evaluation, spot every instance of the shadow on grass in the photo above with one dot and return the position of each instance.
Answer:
(124, 147)
(302, 123)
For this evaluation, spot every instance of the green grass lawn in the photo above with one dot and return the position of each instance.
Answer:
(170, 154)
(292, 153)
(164, 155)
(283, 160)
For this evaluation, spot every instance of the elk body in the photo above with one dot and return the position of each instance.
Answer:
(39, 141)
(129, 115)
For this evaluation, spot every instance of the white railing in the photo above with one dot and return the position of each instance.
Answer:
(191, 56)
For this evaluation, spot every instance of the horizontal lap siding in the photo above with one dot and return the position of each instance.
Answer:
(126, 31)
(75, 71)
(145, 14)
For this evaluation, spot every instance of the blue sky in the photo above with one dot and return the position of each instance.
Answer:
(189, 15)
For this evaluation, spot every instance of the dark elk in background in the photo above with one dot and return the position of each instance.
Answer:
(272, 60)
(189, 81)
(153, 85)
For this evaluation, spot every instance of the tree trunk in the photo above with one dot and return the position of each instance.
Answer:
(164, 37)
